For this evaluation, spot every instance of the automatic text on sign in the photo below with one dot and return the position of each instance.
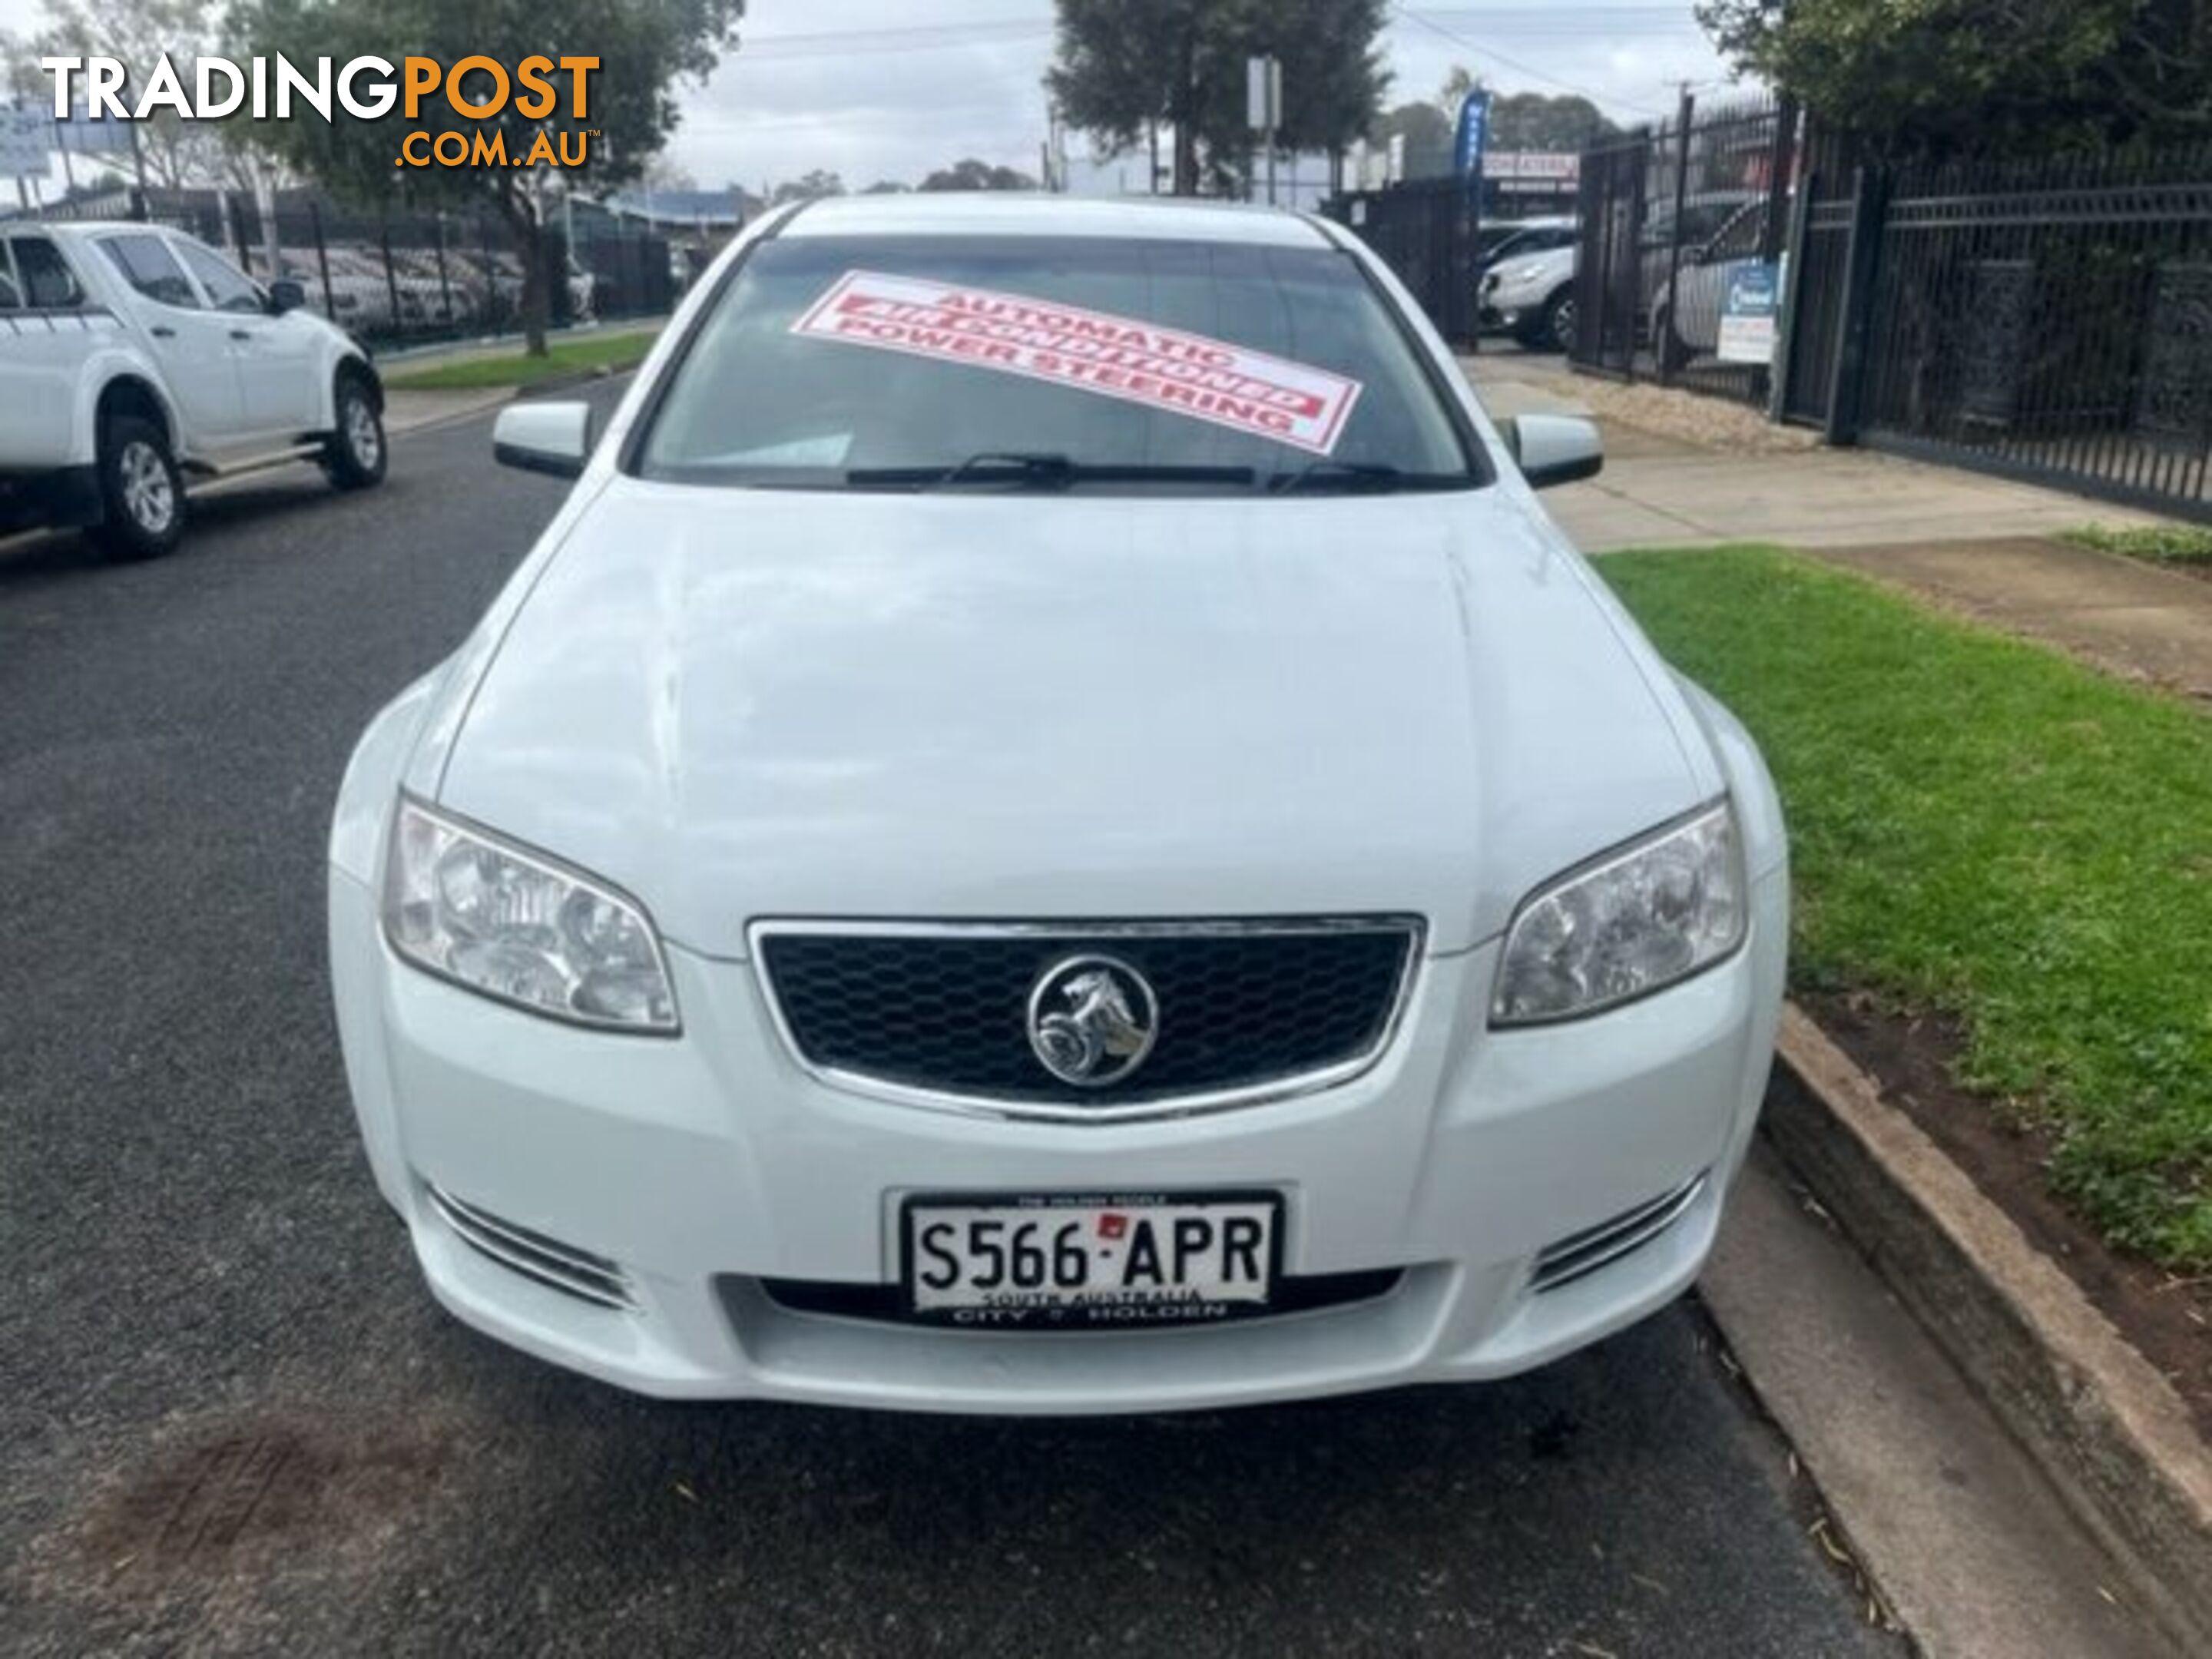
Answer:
(1122, 357)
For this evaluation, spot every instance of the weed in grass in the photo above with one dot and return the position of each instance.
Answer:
(2163, 543)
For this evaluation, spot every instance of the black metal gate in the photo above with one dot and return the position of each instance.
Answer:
(2049, 321)
(1609, 300)
(1425, 230)
(1672, 217)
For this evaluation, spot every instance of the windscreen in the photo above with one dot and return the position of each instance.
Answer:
(839, 362)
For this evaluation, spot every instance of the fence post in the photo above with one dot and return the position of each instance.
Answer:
(322, 258)
(390, 279)
(445, 284)
(1793, 294)
(236, 214)
(1674, 236)
(1861, 261)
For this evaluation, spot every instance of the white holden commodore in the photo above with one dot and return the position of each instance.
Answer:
(1052, 828)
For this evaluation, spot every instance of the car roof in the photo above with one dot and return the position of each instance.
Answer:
(78, 226)
(1005, 213)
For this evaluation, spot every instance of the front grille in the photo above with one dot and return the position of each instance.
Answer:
(1243, 1009)
(882, 1305)
(1584, 1253)
(557, 1265)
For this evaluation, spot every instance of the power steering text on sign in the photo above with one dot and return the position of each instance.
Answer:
(1122, 357)
(1062, 1261)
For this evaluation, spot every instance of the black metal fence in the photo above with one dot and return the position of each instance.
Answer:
(1424, 229)
(395, 278)
(2049, 321)
(1673, 217)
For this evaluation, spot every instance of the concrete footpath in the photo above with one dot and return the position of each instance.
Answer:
(1683, 470)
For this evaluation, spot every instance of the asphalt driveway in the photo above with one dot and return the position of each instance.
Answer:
(230, 1419)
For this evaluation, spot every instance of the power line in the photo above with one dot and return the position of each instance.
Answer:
(1531, 72)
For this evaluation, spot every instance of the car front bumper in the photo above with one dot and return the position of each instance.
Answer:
(700, 1174)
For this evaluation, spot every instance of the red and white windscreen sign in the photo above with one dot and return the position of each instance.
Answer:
(1139, 362)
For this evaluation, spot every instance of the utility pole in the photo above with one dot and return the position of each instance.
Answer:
(1263, 99)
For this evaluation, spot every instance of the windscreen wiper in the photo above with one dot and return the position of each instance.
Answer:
(1015, 469)
(1329, 474)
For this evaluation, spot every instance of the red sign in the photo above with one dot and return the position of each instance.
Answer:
(1109, 356)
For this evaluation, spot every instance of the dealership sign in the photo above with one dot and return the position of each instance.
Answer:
(1533, 169)
(1748, 311)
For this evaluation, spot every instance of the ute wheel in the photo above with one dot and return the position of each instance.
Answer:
(354, 454)
(141, 492)
(1674, 351)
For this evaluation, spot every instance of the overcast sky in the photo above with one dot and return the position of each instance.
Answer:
(890, 88)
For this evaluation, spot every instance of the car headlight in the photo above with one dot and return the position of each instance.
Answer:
(1654, 912)
(514, 926)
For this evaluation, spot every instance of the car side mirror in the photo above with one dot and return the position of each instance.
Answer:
(1554, 449)
(285, 295)
(553, 438)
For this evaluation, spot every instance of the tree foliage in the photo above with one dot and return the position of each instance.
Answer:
(1127, 68)
(645, 47)
(973, 175)
(1518, 120)
(1528, 120)
(1428, 133)
(807, 187)
(1944, 75)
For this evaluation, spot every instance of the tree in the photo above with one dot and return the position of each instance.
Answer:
(1528, 120)
(662, 174)
(644, 48)
(807, 187)
(1428, 133)
(1120, 69)
(972, 175)
(1942, 75)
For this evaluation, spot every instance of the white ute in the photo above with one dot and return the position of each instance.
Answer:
(132, 355)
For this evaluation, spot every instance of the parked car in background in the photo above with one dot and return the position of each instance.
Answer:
(1687, 324)
(356, 301)
(131, 354)
(1527, 290)
(1498, 241)
(1205, 897)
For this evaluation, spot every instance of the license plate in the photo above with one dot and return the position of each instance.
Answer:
(1082, 1261)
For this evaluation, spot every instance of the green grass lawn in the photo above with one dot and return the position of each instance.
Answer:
(1981, 827)
(576, 356)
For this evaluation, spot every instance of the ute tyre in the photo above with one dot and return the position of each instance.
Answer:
(141, 494)
(356, 453)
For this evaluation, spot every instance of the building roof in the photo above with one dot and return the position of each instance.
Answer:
(715, 206)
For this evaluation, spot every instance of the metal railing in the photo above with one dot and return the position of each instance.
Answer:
(2049, 321)
(397, 277)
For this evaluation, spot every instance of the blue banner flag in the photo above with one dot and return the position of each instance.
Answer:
(1474, 129)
